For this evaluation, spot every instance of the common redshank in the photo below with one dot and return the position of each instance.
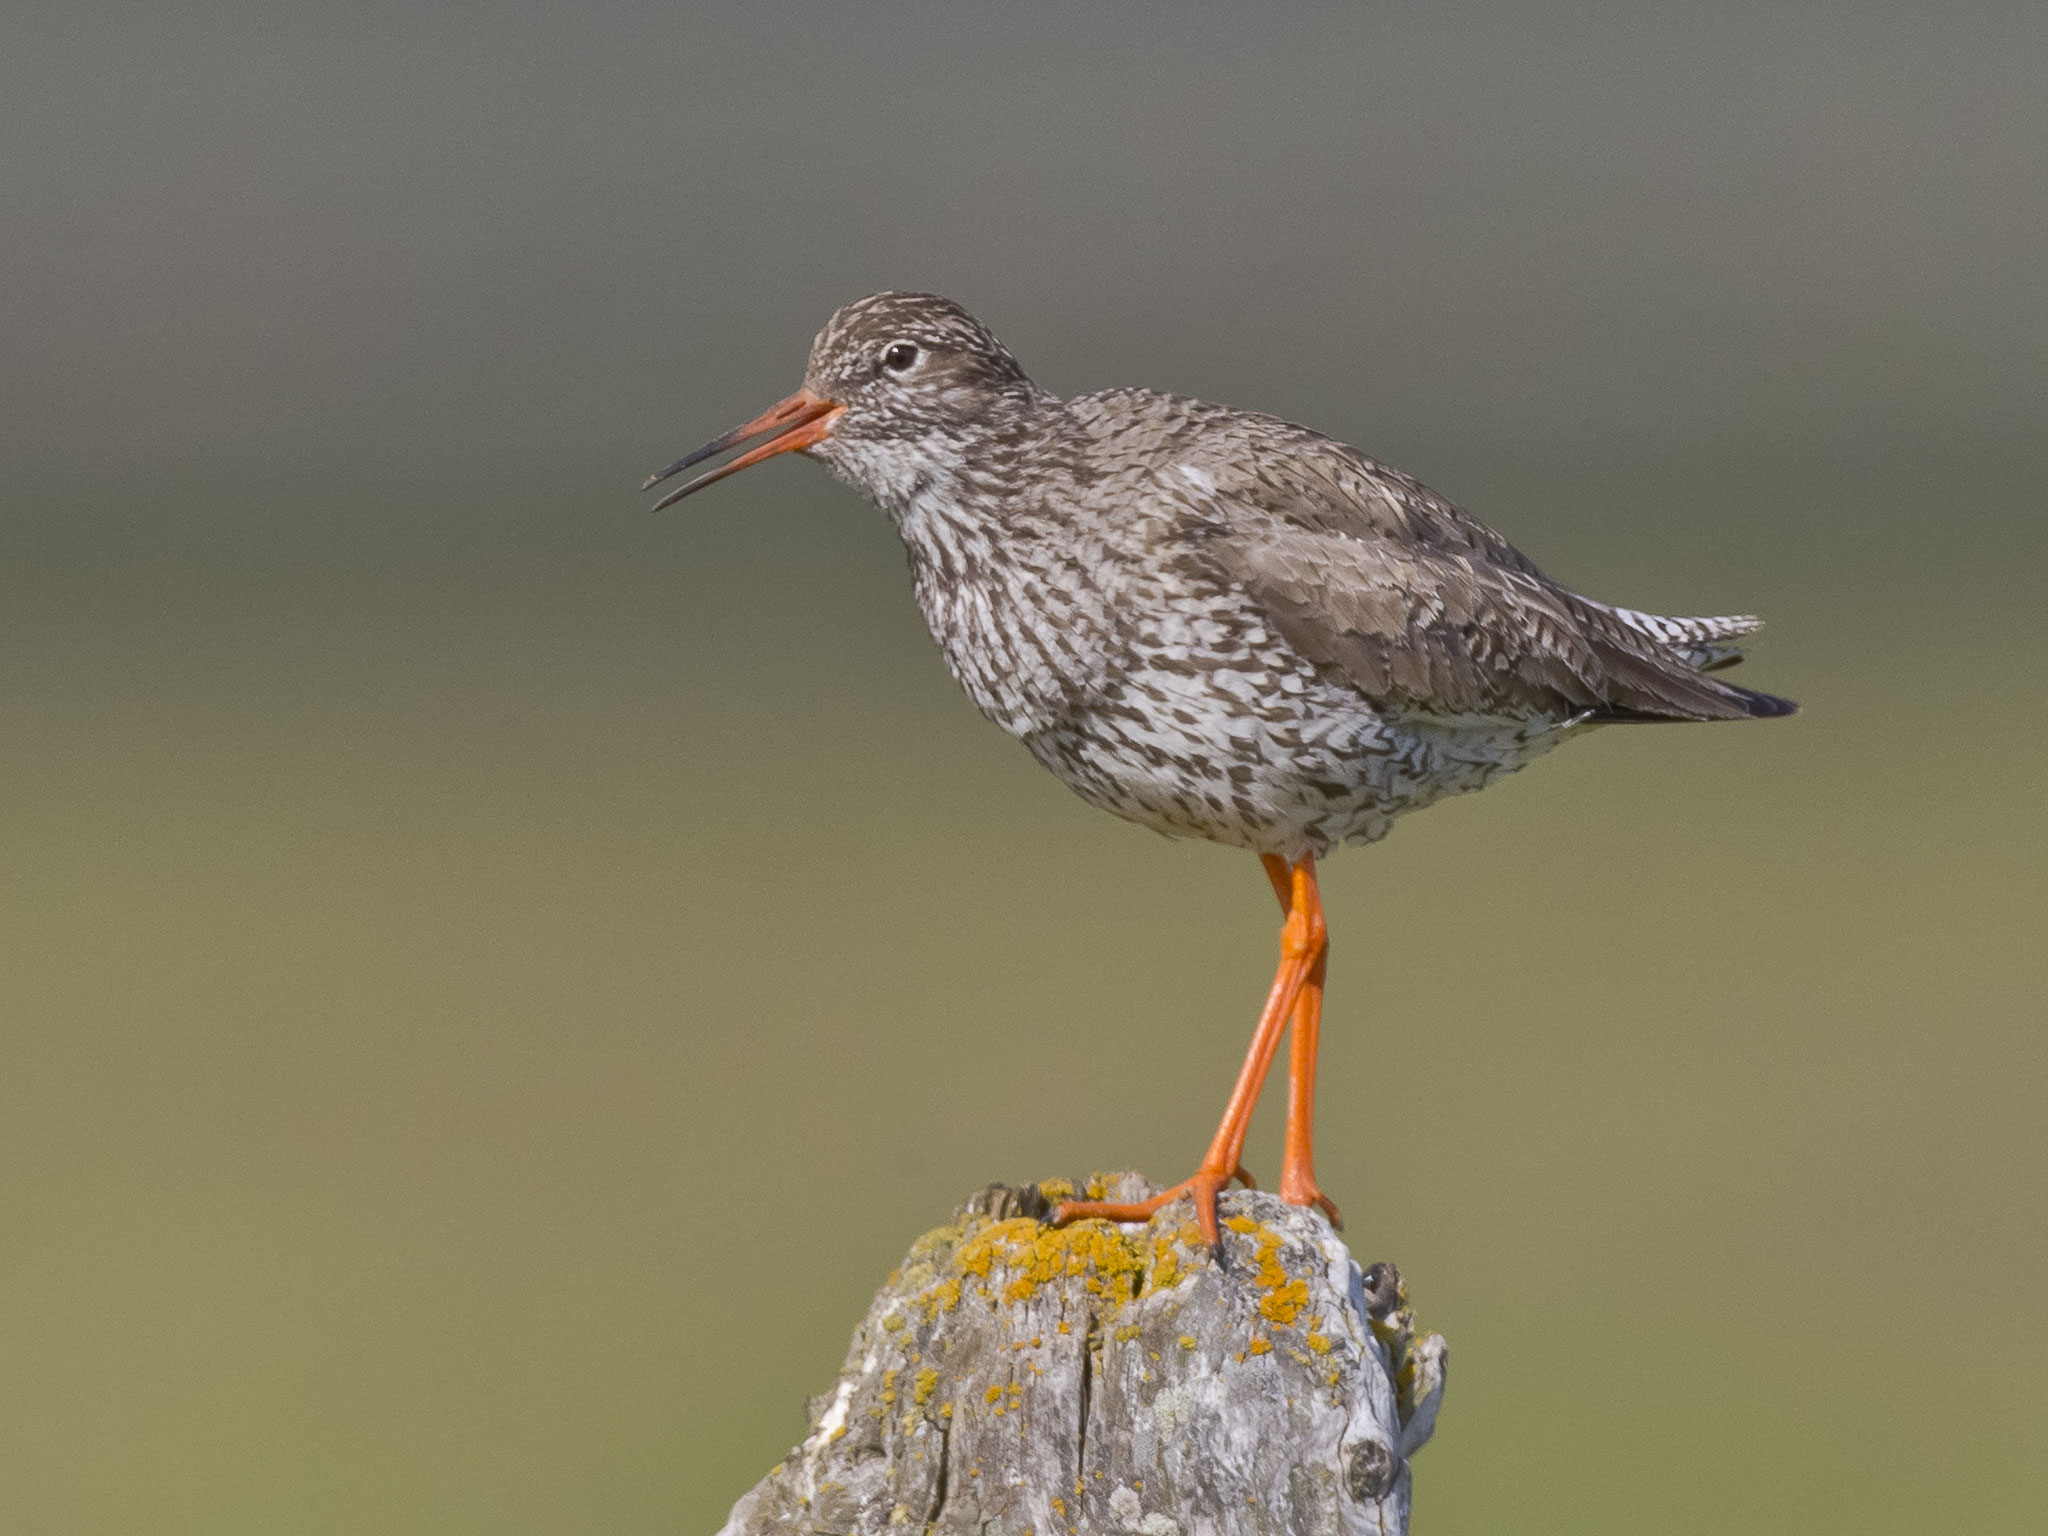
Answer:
(1217, 624)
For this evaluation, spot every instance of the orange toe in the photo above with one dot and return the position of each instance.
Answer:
(1202, 1188)
(1306, 1192)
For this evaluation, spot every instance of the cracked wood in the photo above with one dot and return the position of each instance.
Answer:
(1011, 1377)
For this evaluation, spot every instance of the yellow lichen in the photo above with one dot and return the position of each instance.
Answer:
(1259, 1346)
(1165, 1268)
(1408, 1380)
(943, 1297)
(1284, 1298)
(1007, 1262)
(1283, 1304)
(1188, 1341)
(1095, 1252)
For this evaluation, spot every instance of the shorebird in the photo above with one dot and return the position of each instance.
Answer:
(1217, 624)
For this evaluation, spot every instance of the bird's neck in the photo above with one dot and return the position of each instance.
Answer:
(967, 505)
(971, 461)
(981, 544)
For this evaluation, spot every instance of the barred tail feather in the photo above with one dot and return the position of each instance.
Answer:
(1708, 644)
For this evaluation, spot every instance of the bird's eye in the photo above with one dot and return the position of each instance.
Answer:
(899, 356)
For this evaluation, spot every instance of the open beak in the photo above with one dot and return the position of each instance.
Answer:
(798, 422)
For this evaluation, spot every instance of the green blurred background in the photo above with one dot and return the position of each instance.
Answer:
(492, 979)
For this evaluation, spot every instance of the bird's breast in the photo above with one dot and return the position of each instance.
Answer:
(1024, 622)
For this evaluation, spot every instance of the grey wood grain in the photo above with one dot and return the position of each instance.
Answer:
(1013, 1378)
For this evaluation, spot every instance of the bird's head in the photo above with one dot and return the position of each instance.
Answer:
(897, 385)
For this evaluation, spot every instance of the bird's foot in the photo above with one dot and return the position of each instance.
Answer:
(1203, 1189)
(1300, 1188)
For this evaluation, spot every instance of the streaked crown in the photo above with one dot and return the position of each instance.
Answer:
(906, 363)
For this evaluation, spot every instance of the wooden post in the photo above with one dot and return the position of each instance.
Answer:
(1014, 1378)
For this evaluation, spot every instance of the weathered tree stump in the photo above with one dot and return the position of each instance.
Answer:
(1017, 1380)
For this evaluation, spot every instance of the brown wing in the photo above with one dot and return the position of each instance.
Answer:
(1426, 610)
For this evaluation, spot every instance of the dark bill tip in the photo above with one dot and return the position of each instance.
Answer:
(799, 422)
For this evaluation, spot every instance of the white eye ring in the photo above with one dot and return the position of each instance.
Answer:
(900, 355)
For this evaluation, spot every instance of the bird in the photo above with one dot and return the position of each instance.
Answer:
(1217, 624)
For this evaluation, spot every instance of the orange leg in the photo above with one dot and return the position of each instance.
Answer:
(1303, 940)
(1298, 1166)
(1298, 1163)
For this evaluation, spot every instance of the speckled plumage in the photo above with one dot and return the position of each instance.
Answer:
(1215, 623)
(1219, 625)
